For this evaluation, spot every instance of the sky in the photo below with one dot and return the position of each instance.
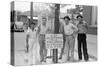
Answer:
(25, 6)
(22, 6)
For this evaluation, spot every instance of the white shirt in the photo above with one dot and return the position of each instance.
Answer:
(69, 29)
(32, 34)
(43, 29)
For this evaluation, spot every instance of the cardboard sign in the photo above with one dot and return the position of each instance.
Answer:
(54, 41)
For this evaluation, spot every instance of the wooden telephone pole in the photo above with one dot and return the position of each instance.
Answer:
(31, 13)
(56, 31)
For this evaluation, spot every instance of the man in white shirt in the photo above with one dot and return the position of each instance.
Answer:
(68, 30)
(31, 43)
(42, 31)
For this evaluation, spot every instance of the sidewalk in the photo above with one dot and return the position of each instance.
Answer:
(91, 45)
(92, 50)
(20, 55)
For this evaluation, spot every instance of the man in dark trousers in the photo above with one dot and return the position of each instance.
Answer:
(82, 43)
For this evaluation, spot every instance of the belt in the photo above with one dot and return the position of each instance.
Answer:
(42, 34)
(69, 35)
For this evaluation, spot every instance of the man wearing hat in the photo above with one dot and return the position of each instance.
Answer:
(68, 30)
(82, 43)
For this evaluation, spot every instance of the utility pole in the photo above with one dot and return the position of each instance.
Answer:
(56, 31)
(31, 13)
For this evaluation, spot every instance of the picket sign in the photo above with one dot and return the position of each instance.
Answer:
(54, 41)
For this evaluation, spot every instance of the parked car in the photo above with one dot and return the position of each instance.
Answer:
(18, 26)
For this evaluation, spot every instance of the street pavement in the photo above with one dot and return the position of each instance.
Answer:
(21, 55)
